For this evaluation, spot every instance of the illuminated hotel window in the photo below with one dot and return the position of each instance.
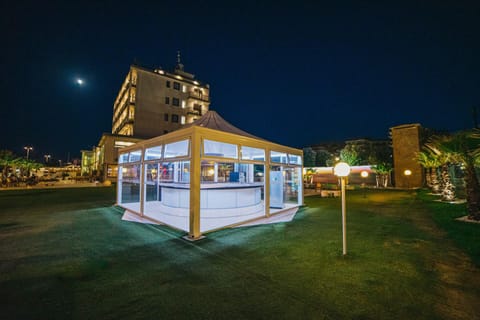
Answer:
(182, 120)
(165, 117)
(184, 88)
(176, 85)
(197, 107)
(168, 84)
(183, 104)
(175, 118)
(167, 100)
(175, 102)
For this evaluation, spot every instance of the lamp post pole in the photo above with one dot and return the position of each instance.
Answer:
(28, 148)
(344, 216)
(342, 170)
(364, 175)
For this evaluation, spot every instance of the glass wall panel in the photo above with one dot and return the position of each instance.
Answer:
(123, 158)
(226, 172)
(291, 185)
(249, 153)
(220, 149)
(129, 189)
(176, 149)
(280, 157)
(153, 153)
(208, 171)
(295, 159)
(135, 156)
(258, 173)
(176, 171)
(151, 182)
(246, 172)
(231, 193)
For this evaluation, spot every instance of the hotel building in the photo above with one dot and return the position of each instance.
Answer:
(150, 103)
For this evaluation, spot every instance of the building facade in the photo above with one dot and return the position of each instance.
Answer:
(150, 103)
(155, 102)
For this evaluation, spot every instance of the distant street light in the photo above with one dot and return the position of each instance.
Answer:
(28, 149)
(407, 174)
(364, 175)
(342, 170)
(47, 157)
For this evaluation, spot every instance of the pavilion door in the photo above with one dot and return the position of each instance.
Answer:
(276, 189)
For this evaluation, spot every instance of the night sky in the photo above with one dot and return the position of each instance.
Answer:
(296, 75)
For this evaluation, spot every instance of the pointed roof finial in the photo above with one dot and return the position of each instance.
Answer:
(179, 63)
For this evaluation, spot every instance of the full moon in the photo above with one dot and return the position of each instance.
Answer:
(79, 82)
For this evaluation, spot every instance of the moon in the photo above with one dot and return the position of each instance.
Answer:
(79, 81)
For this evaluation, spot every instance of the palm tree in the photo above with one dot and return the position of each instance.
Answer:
(462, 148)
(382, 171)
(435, 181)
(7, 159)
(26, 166)
(424, 158)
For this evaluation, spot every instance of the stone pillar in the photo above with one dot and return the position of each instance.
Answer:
(406, 144)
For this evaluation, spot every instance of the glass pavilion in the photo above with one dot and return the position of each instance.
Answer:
(207, 176)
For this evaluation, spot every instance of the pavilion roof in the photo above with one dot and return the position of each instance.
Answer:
(212, 120)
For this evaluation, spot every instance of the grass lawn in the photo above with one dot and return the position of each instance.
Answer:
(66, 254)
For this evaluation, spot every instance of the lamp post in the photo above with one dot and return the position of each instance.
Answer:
(364, 175)
(28, 149)
(342, 170)
(407, 174)
(47, 157)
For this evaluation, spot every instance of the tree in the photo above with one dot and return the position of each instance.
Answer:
(322, 157)
(430, 161)
(382, 171)
(424, 160)
(462, 148)
(7, 159)
(349, 156)
(26, 166)
(308, 157)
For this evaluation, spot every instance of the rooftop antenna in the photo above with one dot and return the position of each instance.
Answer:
(179, 63)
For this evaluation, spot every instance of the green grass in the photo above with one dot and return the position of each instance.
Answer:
(66, 254)
(465, 235)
